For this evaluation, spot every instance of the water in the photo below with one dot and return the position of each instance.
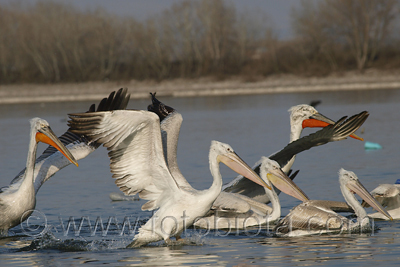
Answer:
(254, 126)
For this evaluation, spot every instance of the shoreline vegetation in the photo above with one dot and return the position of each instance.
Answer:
(195, 47)
(53, 51)
(91, 91)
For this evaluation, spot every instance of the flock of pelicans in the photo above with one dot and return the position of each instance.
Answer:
(142, 146)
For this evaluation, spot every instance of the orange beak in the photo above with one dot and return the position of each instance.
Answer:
(312, 123)
(41, 137)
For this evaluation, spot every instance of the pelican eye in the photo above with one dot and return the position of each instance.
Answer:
(43, 126)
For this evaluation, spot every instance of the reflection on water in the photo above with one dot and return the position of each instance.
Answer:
(167, 256)
(255, 126)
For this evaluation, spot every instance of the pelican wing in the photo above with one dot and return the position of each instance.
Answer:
(254, 205)
(336, 206)
(311, 218)
(336, 132)
(230, 202)
(51, 160)
(133, 139)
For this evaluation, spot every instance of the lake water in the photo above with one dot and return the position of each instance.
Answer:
(254, 126)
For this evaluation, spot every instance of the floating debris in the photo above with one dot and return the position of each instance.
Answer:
(370, 145)
(121, 197)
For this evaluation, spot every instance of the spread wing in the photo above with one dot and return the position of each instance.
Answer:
(336, 132)
(133, 139)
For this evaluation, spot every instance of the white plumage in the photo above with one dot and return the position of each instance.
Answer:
(388, 195)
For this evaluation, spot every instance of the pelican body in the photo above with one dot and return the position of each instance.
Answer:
(388, 195)
(319, 217)
(133, 139)
(18, 200)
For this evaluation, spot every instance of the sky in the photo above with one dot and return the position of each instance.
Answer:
(277, 11)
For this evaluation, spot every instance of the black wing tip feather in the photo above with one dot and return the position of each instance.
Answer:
(92, 108)
(347, 127)
(79, 122)
(117, 100)
(292, 175)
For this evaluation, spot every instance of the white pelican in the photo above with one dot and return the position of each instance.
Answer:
(301, 116)
(388, 195)
(51, 161)
(318, 217)
(18, 200)
(231, 205)
(133, 139)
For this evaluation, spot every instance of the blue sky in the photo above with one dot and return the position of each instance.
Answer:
(277, 11)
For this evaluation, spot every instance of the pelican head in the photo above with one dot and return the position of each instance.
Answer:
(308, 116)
(159, 108)
(227, 155)
(300, 115)
(46, 135)
(271, 172)
(349, 181)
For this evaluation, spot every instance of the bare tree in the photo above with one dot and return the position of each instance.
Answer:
(7, 43)
(310, 25)
(185, 31)
(360, 25)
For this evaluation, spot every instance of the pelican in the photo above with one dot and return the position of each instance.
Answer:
(233, 205)
(388, 195)
(18, 200)
(133, 139)
(318, 217)
(258, 213)
(301, 116)
(51, 161)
